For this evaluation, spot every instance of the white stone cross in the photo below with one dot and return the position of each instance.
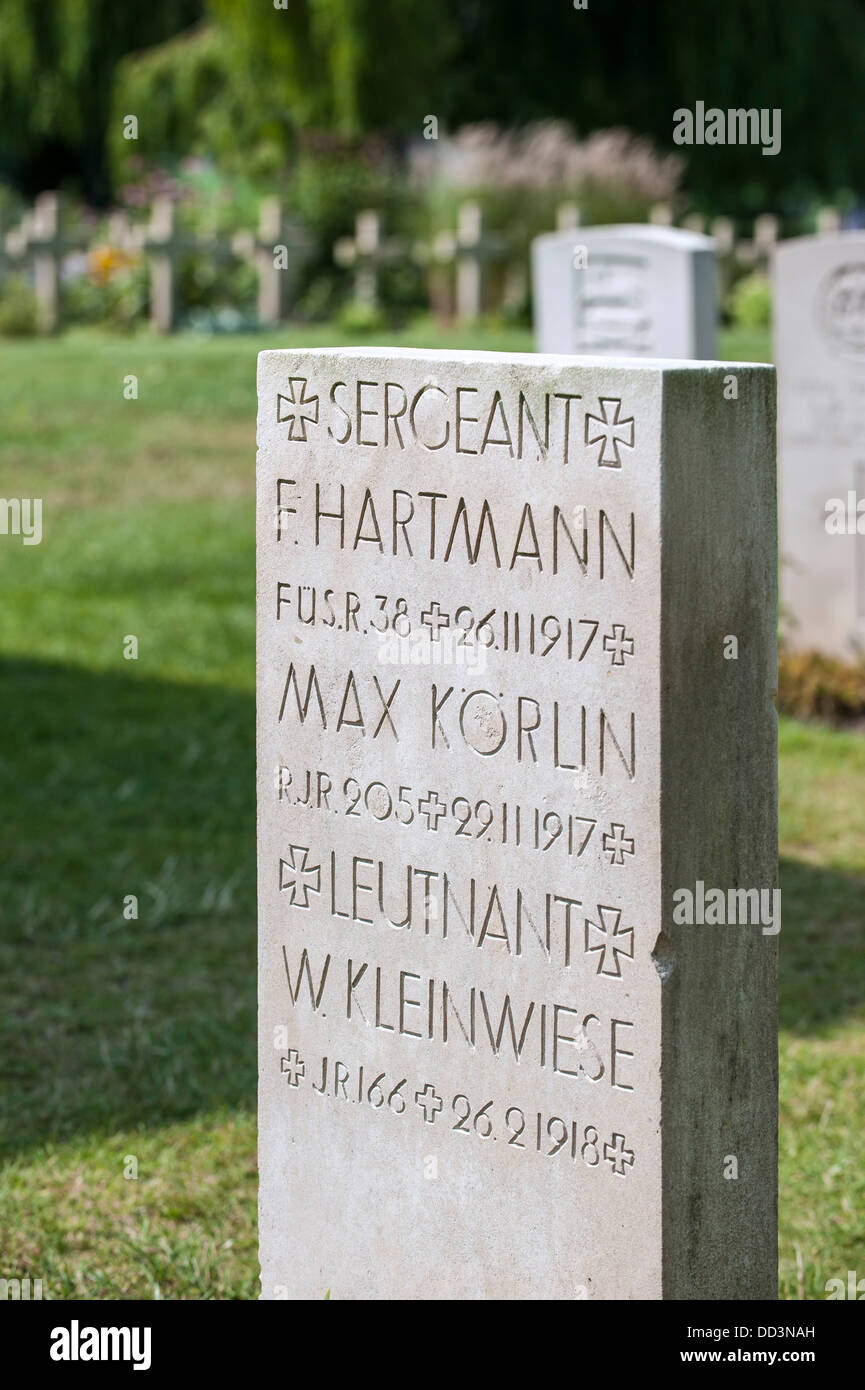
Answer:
(567, 217)
(163, 248)
(474, 251)
(277, 252)
(367, 253)
(828, 221)
(724, 232)
(47, 246)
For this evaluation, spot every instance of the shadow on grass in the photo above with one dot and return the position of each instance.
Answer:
(822, 962)
(117, 787)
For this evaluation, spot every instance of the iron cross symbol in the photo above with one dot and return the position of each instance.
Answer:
(433, 809)
(430, 1102)
(620, 1158)
(610, 939)
(610, 431)
(297, 878)
(293, 1067)
(618, 644)
(617, 844)
(303, 409)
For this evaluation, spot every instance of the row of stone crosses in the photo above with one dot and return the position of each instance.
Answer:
(643, 290)
(280, 247)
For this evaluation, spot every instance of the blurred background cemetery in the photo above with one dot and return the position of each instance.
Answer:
(180, 185)
(150, 164)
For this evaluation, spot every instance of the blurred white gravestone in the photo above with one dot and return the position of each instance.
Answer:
(497, 736)
(626, 291)
(819, 338)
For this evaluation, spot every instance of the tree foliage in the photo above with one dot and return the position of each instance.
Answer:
(621, 62)
(193, 101)
(346, 65)
(57, 66)
(352, 66)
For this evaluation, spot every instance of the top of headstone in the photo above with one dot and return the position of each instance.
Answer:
(852, 236)
(507, 359)
(678, 237)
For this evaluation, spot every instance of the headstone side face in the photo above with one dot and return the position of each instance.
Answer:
(719, 826)
(627, 291)
(496, 732)
(819, 337)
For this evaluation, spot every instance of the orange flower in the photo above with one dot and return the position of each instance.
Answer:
(108, 261)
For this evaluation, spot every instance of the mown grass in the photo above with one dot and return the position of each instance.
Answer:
(132, 1038)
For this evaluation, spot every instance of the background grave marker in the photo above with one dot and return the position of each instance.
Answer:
(819, 334)
(626, 291)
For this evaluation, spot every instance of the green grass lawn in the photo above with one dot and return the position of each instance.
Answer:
(127, 1118)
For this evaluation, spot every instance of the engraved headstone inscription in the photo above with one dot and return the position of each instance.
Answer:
(497, 735)
(819, 333)
(626, 291)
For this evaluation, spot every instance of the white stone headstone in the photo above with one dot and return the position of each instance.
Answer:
(516, 664)
(819, 338)
(626, 291)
